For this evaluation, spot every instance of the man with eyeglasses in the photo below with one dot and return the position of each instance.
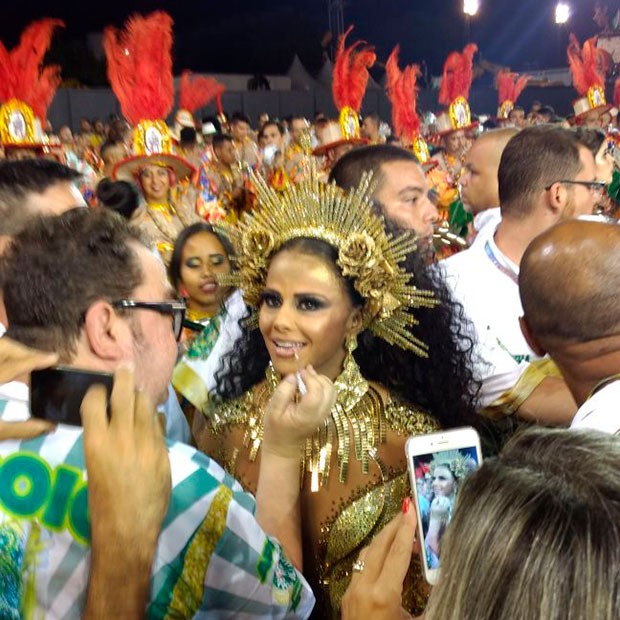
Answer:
(85, 286)
(545, 176)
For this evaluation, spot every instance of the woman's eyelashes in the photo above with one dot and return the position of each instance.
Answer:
(305, 303)
(310, 303)
(215, 259)
(270, 299)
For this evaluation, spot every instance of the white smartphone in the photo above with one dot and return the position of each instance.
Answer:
(438, 465)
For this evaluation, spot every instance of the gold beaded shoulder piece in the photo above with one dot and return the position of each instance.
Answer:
(367, 254)
(357, 426)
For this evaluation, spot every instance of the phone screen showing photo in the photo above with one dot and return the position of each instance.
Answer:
(438, 477)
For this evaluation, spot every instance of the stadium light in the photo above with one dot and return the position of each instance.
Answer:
(562, 13)
(470, 7)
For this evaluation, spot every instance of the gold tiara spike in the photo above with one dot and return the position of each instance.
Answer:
(460, 465)
(367, 254)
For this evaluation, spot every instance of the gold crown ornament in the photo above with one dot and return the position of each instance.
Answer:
(367, 254)
(461, 465)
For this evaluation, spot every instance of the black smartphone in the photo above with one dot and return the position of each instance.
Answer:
(56, 393)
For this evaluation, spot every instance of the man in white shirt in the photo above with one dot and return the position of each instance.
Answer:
(544, 176)
(570, 286)
(478, 180)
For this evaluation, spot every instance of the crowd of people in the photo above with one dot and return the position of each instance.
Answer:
(281, 307)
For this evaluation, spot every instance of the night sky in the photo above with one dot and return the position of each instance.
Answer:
(249, 36)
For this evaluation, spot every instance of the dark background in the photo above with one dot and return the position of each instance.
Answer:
(254, 36)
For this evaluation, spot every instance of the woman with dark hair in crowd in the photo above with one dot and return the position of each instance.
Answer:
(332, 291)
(199, 256)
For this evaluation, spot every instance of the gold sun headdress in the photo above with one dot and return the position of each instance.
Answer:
(367, 254)
(461, 465)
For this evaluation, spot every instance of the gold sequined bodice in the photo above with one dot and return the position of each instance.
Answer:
(343, 516)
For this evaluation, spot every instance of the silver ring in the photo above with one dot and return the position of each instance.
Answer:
(358, 566)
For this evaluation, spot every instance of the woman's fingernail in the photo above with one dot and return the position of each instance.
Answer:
(406, 504)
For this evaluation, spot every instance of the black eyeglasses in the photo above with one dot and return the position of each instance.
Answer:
(596, 187)
(176, 309)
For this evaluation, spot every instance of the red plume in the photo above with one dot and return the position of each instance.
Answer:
(351, 73)
(196, 92)
(588, 66)
(457, 75)
(20, 69)
(44, 91)
(510, 85)
(403, 94)
(140, 66)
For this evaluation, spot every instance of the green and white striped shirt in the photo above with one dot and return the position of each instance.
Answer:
(212, 561)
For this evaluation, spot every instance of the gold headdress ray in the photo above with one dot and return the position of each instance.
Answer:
(366, 253)
(460, 465)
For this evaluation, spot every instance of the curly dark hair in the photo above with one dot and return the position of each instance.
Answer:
(442, 384)
(58, 266)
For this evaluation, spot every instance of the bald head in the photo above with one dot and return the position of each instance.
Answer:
(479, 176)
(569, 282)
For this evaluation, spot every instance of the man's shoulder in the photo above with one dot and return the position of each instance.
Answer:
(600, 412)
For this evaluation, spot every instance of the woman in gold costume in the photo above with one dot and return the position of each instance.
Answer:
(332, 291)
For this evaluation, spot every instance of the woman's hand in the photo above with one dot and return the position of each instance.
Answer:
(440, 508)
(288, 420)
(376, 591)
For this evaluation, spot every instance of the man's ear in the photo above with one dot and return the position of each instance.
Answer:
(556, 198)
(530, 338)
(105, 331)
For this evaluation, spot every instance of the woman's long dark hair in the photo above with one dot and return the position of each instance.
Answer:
(442, 384)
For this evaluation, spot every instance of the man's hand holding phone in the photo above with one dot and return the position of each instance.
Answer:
(129, 488)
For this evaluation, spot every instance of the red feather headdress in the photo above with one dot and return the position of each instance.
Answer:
(23, 79)
(140, 72)
(196, 91)
(349, 82)
(588, 67)
(402, 91)
(455, 84)
(140, 66)
(509, 87)
(457, 75)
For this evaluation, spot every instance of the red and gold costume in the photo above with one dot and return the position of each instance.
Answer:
(140, 72)
(26, 91)
(349, 82)
(509, 87)
(588, 67)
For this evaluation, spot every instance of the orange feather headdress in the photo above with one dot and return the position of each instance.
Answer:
(26, 86)
(140, 73)
(194, 93)
(350, 79)
(588, 66)
(454, 91)
(402, 91)
(509, 87)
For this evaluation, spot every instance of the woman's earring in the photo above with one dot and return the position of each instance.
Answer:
(183, 292)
